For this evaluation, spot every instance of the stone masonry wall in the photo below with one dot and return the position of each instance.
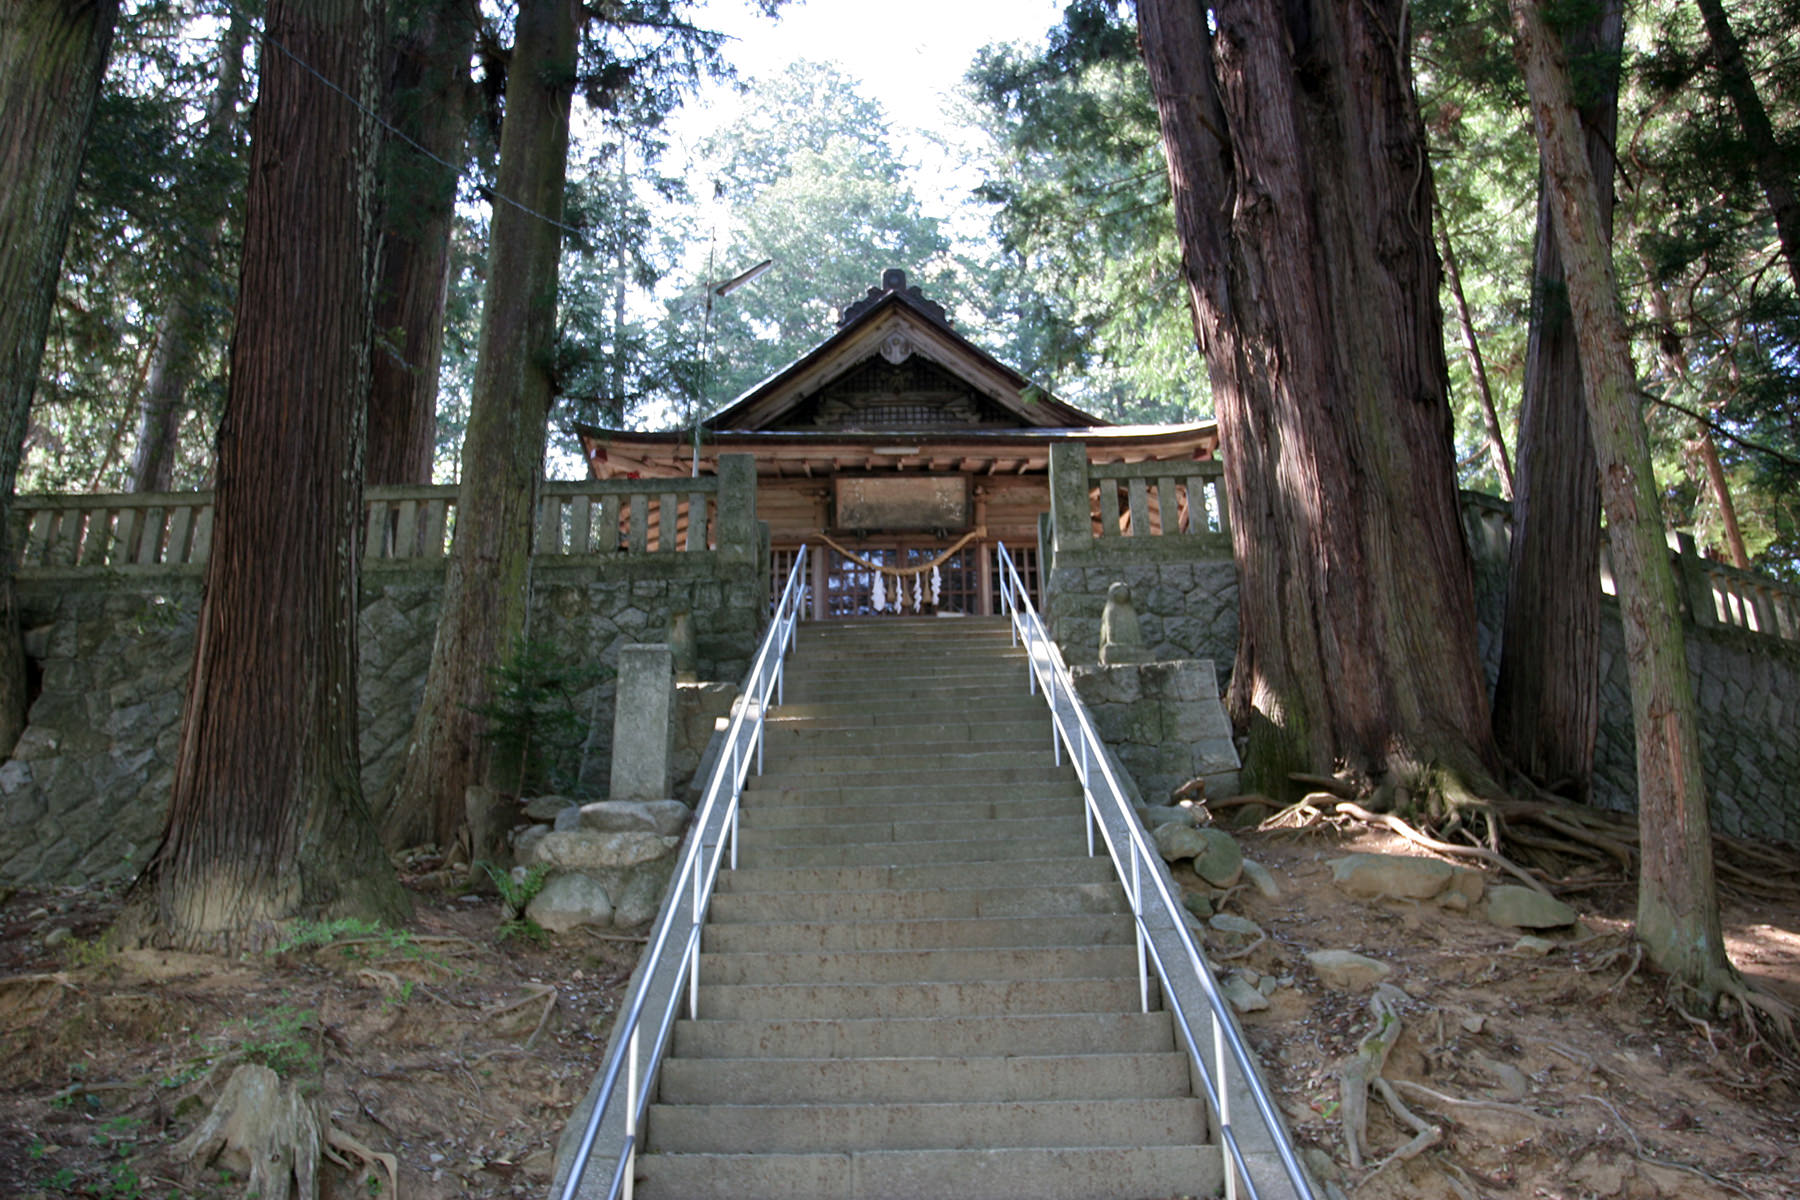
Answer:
(1746, 686)
(1185, 609)
(82, 799)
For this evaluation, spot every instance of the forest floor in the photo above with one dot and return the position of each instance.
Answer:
(460, 1048)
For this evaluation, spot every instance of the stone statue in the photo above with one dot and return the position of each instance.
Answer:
(1121, 641)
(682, 648)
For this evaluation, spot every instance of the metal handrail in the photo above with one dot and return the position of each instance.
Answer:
(1137, 864)
(693, 880)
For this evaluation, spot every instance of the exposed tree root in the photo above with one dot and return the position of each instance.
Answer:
(1390, 821)
(1365, 1066)
(1638, 1151)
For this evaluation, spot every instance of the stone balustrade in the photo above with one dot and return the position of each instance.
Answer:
(413, 525)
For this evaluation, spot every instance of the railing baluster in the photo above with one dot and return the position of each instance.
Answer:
(640, 523)
(1168, 515)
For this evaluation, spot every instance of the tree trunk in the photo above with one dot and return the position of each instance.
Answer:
(487, 583)
(1678, 908)
(173, 366)
(426, 97)
(1303, 203)
(52, 54)
(1773, 170)
(1547, 700)
(267, 821)
(1490, 416)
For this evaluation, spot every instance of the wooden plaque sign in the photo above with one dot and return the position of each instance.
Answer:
(902, 502)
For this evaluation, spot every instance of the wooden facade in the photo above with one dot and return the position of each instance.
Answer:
(898, 440)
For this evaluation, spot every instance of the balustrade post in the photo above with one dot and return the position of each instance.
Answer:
(737, 508)
(1696, 581)
(1071, 514)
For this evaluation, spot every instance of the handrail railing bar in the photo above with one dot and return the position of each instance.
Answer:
(1223, 1021)
(691, 862)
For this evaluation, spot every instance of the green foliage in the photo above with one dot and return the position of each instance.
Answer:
(518, 888)
(308, 935)
(281, 1040)
(809, 178)
(1086, 292)
(535, 720)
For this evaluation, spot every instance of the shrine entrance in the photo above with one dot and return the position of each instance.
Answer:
(965, 581)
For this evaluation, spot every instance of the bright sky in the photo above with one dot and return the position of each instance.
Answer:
(910, 58)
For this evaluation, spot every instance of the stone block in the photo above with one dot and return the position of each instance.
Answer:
(642, 716)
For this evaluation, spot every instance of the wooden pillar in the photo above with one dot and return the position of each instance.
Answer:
(984, 587)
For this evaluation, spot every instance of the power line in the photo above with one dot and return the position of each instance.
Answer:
(454, 168)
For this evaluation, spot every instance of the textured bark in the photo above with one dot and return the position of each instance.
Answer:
(173, 366)
(1678, 909)
(487, 581)
(1490, 416)
(1303, 203)
(1547, 701)
(267, 821)
(1774, 170)
(52, 54)
(426, 96)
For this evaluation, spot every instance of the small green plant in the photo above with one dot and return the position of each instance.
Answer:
(400, 998)
(278, 1040)
(309, 935)
(89, 952)
(516, 893)
(62, 1181)
(532, 720)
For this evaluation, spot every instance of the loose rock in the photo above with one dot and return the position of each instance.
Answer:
(1525, 909)
(1347, 970)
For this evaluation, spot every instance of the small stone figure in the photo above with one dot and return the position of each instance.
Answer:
(1121, 641)
(682, 648)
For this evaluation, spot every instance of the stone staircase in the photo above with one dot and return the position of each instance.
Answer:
(917, 983)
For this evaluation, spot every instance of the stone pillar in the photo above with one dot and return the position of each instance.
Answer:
(642, 712)
(1071, 516)
(737, 508)
(1691, 577)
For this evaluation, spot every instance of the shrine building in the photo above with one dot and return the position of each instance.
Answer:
(903, 454)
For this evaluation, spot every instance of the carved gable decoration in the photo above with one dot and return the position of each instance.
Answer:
(884, 394)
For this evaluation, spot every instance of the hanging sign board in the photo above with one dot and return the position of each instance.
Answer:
(902, 502)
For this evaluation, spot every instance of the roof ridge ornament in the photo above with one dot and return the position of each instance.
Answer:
(893, 280)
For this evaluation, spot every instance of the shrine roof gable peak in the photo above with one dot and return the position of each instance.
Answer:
(893, 329)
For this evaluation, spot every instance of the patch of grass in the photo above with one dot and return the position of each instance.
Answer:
(280, 1040)
(80, 952)
(315, 935)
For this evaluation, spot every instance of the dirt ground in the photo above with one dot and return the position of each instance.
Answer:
(460, 1051)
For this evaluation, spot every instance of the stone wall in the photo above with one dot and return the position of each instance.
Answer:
(1164, 723)
(82, 799)
(1746, 686)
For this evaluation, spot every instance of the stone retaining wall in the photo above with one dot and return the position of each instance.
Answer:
(1747, 685)
(82, 799)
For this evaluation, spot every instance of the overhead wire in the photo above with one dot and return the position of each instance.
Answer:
(493, 193)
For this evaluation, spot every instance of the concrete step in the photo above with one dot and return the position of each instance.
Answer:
(997, 850)
(757, 815)
(1014, 1173)
(947, 698)
(882, 712)
(882, 759)
(1053, 1033)
(1068, 870)
(983, 998)
(924, 779)
(824, 738)
(973, 1125)
(803, 790)
(922, 1080)
(1033, 902)
(915, 966)
(851, 833)
(738, 937)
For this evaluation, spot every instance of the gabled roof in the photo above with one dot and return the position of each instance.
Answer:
(893, 324)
